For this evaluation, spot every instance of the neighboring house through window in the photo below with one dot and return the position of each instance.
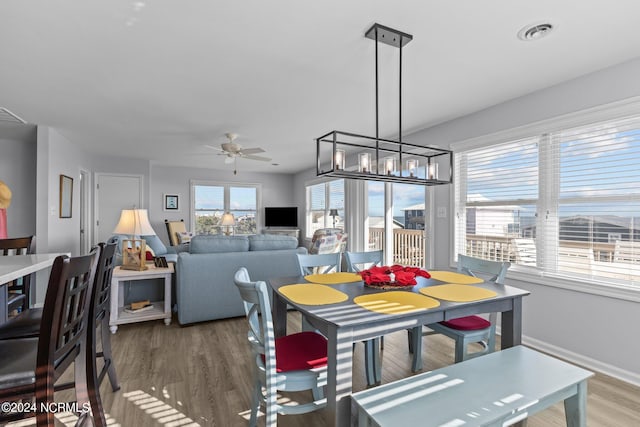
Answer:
(566, 201)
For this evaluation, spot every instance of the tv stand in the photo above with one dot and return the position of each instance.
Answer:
(287, 231)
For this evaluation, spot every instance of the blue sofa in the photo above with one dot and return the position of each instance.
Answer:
(204, 275)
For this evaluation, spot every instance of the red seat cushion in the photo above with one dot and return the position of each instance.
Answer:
(305, 350)
(467, 323)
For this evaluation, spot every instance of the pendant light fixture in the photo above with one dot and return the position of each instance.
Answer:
(352, 156)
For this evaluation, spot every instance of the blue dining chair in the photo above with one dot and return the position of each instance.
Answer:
(471, 329)
(319, 263)
(294, 362)
(356, 262)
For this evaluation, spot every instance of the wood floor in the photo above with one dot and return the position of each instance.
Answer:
(200, 376)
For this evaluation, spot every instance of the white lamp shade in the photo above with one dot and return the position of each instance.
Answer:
(228, 219)
(134, 222)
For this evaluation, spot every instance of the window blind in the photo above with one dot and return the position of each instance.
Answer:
(599, 200)
(566, 202)
(499, 200)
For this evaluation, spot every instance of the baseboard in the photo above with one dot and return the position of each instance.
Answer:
(585, 362)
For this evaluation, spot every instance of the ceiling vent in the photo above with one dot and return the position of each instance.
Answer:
(8, 116)
(535, 32)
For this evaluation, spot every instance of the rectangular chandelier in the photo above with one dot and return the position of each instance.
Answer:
(352, 156)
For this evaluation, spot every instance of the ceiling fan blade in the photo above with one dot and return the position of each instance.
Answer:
(213, 148)
(252, 150)
(262, 159)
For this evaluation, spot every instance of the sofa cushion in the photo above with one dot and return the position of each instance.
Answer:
(155, 244)
(207, 244)
(269, 242)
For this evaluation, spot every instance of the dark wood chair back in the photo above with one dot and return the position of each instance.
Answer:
(100, 313)
(63, 331)
(104, 271)
(16, 246)
(19, 295)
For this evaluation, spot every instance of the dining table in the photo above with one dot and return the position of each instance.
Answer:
(346, 322)
(16, 266)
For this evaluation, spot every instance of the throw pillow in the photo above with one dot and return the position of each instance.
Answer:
(156, 244)
(184, 236)
(150, 254)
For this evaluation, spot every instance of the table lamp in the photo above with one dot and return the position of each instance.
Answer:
(134, 222)
(229, 222)
(334, 214)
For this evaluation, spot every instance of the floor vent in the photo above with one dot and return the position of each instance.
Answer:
(8, 116)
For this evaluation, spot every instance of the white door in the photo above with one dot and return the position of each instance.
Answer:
(114, 193)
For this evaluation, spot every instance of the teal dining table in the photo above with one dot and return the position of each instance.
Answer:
(346, 322)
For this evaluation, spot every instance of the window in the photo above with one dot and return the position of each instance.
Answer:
(566, 202)
(321, 198)
(212, 200)
(501, 196)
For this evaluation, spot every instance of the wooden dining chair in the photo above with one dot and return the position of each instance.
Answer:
(319, 263)
(27, 325)
(30, 367)
(471, 329)
(100, 313)
(19, 290)
(356, 262)
(294, 362)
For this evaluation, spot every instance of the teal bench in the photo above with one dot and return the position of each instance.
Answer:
(498, 389)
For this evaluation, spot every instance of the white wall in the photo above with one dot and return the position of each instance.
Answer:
(17, 166)
(65, 158)
(277, 190)
(590, 329)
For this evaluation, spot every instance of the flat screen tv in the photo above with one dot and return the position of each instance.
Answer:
(281, 217)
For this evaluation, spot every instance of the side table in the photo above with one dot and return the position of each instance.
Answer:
(160, 310)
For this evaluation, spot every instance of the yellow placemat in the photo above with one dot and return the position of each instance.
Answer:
(395, 302)
(312, 294)
(333, 278)
(451, 277)
(457, 293)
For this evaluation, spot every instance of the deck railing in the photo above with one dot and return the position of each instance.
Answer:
(588, 258)
(503, 248)
(408, 245)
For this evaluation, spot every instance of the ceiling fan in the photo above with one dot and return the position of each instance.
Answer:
(232, 150)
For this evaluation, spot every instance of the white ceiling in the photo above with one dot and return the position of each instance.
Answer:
(159, 79)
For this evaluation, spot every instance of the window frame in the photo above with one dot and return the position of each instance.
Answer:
(606, 112)
(227, 198)
(328, 221)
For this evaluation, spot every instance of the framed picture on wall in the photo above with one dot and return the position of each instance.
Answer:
(66, 196)
(171, 202)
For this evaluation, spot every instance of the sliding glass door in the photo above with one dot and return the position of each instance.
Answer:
(397, 222)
